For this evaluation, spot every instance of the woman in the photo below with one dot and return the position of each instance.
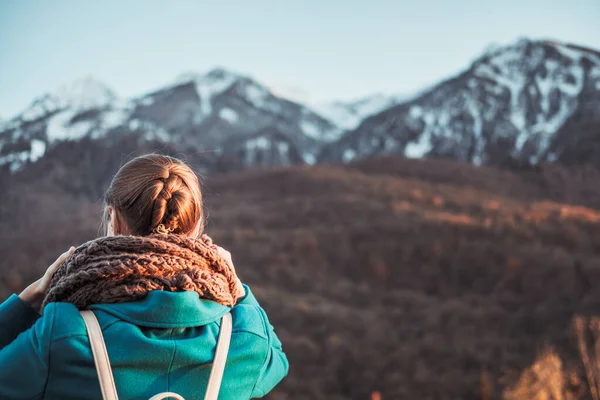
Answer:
(158, 288)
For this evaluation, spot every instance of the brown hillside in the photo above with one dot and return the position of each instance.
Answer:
(390, 275)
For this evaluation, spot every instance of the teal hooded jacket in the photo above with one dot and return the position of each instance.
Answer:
(162, 343)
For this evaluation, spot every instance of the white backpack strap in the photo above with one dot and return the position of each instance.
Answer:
(216, 373)
(105, 376)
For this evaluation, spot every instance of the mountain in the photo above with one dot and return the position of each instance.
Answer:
(230, 118)
(238, 119)
(526, 103)
(530, 102)
(349, 114)
(84, 108)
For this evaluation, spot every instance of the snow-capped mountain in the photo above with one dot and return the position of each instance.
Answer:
(232, 114)
(524, 103)
(529, 102)
(227, 116)
(349, 114)
(83, 108)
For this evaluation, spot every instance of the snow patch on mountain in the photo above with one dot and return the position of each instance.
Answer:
(349, 115)
(15, 160)
(66, 126)
(310, 159)
(60, 127)
(349, 155)
(420, 147)
(38, 149)
(40, 108)
(208, 86)
(229, 115)
(310, 129)
(257, 95)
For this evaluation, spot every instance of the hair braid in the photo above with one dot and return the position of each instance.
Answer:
(155, 193)
(166, 208)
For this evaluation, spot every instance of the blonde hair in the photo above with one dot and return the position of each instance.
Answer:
(155, 194)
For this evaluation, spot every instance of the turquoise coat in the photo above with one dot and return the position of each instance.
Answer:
(162, 343)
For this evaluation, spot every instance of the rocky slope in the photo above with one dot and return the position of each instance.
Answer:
(530, 102)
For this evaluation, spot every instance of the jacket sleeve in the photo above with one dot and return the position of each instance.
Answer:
(16, 316)
(276, 365)
(24, 360)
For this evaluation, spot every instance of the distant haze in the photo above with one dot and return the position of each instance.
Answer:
(311, 50)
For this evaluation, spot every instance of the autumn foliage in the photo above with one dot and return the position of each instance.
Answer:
(385, 279)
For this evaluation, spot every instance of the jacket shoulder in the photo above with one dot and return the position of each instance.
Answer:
(67, 321)
(249, 318)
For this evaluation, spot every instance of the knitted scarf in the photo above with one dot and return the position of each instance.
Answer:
(118, 269)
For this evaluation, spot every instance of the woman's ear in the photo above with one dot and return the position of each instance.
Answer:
(110, 225)
(114, 223)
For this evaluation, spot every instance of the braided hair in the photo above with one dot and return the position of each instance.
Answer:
(155, 194)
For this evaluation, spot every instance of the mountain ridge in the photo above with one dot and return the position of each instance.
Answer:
(525, 103)
(220, 111)
(506, 108)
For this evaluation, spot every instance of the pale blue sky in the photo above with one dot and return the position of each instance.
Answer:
(328, 49)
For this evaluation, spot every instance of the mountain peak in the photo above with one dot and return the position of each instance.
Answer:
(222, 73)
(80, 95)
(509, 106)
(85, 93)
(213, 75)
(209, 85)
